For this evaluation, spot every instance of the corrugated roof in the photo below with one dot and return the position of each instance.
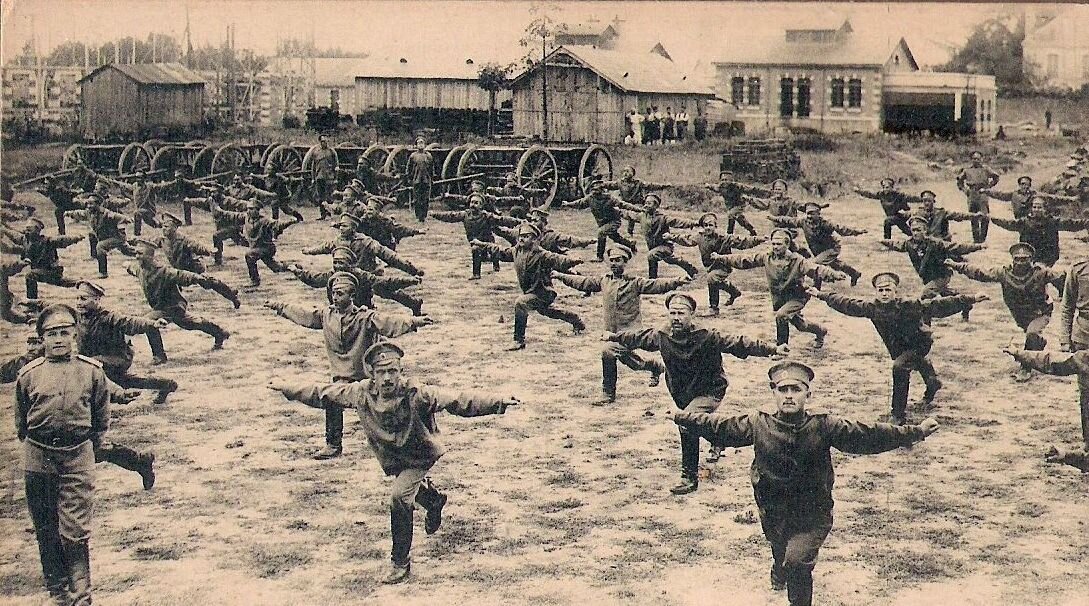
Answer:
(644, 72)
(154, 73)
(409, 66)
(849, 50)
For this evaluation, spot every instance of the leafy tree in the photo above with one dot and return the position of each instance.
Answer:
(996, 49)
(493, 78)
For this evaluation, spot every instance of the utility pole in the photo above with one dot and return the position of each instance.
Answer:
(544, 80)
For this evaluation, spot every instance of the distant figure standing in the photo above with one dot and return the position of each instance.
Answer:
(699, 128)
(648, 127)
(323, 170)
(682, 123)
(637, 126)
(420, 172)
(1047, 118)
(668, 124)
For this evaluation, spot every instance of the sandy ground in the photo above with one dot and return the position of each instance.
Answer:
(558, 502)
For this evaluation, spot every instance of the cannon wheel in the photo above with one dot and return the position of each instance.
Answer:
(449, 165)
(537, 169)
(283, 158)
(74, 155)
(165, 159)
(376, 154)
(433, 147)
(466, 163)
(397, 159)
(596, 162)
(135, 157)
(154, 145)
(267, 152)
(229, 158)
(202, 162)
(308, 159)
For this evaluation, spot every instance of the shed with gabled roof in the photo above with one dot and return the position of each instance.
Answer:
(590, 91)
(123, 101)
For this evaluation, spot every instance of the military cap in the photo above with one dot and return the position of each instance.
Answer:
(885, 277)
(420, 138)
(540, 211)
(927, 192)
(529, 228)
(34, 221)
(479, 182)
(649, 197)
(1024, 178)
(382, 353)
(619, 250)
(816, 205)
(347, 219)
(778, 181)
(476, 197)
(704, 216)
(1022, 248)
(790, 371)
(722, 174)
(976, 155)
(681, 297)
(357, 185)
(57, 315)
(171, 217)
(918, 219)
(33, 340)
(143, 242)
(91, 288)
(888, 180)
(781, 230)
(340, 252)
(253, 203)
(343, 277)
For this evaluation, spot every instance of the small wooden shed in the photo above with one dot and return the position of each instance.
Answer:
(590, 90)
(120, 100)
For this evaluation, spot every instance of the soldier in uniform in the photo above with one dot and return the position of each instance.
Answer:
(369, 283)
(1021, 198)
(974, 180)
(710, 243)
(59, 429)
(654, 226)
(40, 252)
(785, 271)
(633, 191)
(534, 267)
(820, 238)
(792, 472)
(937, 218)
(180, 251)
(228, 217)
(63, 198)
(620, 302)
(106, 232)
(261, 234)
(162, 290)
(1024, 290)
(1073, 364)
(387, 230)
(733, 200)
(695, 377)
(778, 203)
(278, 185)
(903, 325)
(479, 225)
(367, 250)
(349, 330)
(420, 170)
(895, 204)
(1041, 230)
(179, 189)
(928, 255)
(604, 209)
(398, 416)
(143, 201)
(323, 172)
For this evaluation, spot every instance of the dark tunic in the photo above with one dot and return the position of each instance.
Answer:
(901, 323)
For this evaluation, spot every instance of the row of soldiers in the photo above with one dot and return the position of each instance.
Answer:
(366, 371)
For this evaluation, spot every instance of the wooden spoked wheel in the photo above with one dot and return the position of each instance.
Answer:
(134, 158)
(73, 156)
(282, 159)
(596, 163)
(229, 158)
(537, 169)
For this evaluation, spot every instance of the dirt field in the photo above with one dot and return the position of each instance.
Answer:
(558, 502)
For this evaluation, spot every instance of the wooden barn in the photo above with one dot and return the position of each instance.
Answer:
(590, 90)
(120, 100)
(411, 83)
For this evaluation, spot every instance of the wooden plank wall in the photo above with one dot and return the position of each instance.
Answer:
(393, 93)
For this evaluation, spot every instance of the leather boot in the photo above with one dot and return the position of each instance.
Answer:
(77, 555)
(401, 527)
(433, 501)
(800, 588)
(689, 464)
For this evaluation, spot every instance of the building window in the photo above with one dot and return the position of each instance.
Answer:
(786, 97)
(1052, 65)
(737, 91)
(854, 92)
(803, 97)
(837, 92)
(754, 91)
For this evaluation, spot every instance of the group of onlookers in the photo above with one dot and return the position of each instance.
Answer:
(656, 127)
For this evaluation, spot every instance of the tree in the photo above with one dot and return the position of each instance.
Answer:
(996, 49)
(493, 78)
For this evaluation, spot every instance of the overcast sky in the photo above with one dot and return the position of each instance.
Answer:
(689, 30)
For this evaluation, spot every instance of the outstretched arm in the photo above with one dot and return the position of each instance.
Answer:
(856, 437)
(975, 272)
(303, 316)
(465, 404)
(503, 254)
(742, 261)
(319, 395)
(645, 338)
(583, 283)
(718, 429)
(848, 306)
(897, 245)
(943, 307)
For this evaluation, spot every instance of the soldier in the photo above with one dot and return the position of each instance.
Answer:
(228, 217)
(604, 209)
(106, 232)
(778, 203)
(633, 191)
(323, 172)
(529, 196)
(928, 255)
(820, 237)
(792, 472)
(40, 252)
(1041, 230)
(162, 290)
(387, 230)
(261, 234)
(695, 377)
(534, 267)
(903, 325)
(550, 240)
(420, 170)
(398, 416)
(281, 202)
(895, 204)
(241, 189)
(9, 266)
(349, 331)
(479, 225)
(181, 252)
(937, 218)
(733, 200)
(369, 284)
(1024, 290)
(143, 202)
(1074, 364)
(710, 243)
(367, 250)
(59, 429)
(1021, 198)
(621, 303)
(974, 180)
(489, 202)
(63, 198)
(179, 189)
(103, 335)
(654, 226)
(785, 271)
